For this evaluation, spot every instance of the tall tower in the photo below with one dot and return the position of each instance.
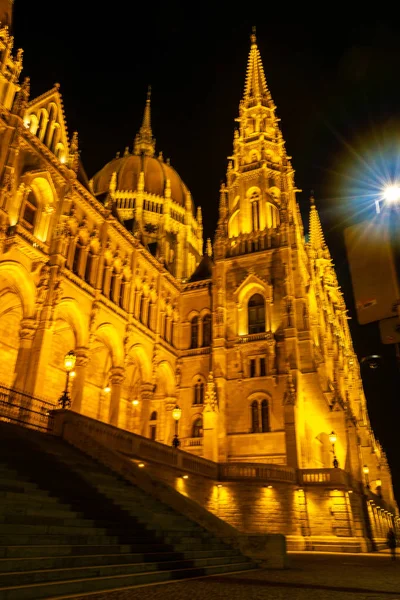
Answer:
(282, 359)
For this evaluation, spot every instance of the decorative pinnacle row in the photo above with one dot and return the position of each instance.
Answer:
(256, 84)
(317, 240)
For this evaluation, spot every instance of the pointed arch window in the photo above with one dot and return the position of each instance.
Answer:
(207, 330)
(141, 308)
(172, 334)
(256, 314)
(149, 314)
(113, 284)
(89, 267)
(199, 389)
(77, 258)
(255, 422)
(255, 215)
(121, 293)
(194, 332)
(197, 428)
(30, 211)
(265, 416)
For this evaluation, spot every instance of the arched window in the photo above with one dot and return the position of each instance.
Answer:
(199, 388)
(149, 314)
(255, 422)
(194, 333)
(153, 425)
(141, 309)
(197, 428)
(121, 293)
(207, 330)
(256, 314)
(264, 416)
(172, 334)
(77, 259)
(113, 285)
(165, 332)
(29, 211)
(255, 215)
(89, 267)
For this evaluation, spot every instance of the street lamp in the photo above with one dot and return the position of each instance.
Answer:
(378, 484)
(69, 364)
(176, 415)
(366, 473)
(332, 439)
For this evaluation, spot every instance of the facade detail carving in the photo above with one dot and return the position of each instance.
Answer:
(250, 338)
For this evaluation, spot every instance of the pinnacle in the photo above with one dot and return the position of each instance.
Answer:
(256, 84)
(317, 240)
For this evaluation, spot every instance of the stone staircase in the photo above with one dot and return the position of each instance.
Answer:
(70, 526)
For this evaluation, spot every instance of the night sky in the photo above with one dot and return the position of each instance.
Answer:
(335, 83)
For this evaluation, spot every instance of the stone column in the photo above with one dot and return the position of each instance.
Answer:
(40, 358)
(146, 394)
(116, 379)
(26, 334)
(82, 359)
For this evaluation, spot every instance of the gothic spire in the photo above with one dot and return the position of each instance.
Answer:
(317, 240)
(144, 141)
(256, 85)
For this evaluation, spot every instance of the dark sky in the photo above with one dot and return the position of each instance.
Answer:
(335, 83)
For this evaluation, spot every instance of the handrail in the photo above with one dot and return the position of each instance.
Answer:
(24, 409)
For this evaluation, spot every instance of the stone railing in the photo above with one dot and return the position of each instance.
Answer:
(267, 550)
(135, 446)
(255, 337)
(192, 442)
(321, 477)
(257, 472)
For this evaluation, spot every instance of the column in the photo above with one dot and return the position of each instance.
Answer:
(39, 359)
(116, 379)
(82, 359)
(26, 334)
(146, 394)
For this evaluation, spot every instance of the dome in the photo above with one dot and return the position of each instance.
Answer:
(128, 168)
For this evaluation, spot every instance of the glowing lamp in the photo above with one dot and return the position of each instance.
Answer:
(332, 438)
(378, 483)
(185, 476)
(72, 374)
(107, 389)
(176, 413)
(69, 361)
(392, 194)
(141, 465)
(365, 470)
(219, 485)
(135, 402)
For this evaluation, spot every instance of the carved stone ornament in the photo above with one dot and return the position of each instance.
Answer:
(290, 392)
(210, 400)
(43, 285)
(28, 329)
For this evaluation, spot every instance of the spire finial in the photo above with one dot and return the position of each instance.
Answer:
(253, 37)
(312, 199)
(144, 141)
(256, 84)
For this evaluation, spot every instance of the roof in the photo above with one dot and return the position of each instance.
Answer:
(203, 270)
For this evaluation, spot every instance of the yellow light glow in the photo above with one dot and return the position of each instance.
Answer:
(72, 374)
(332, 437)
(219, 485)
(135, 402)
(365, 470)
(69, 361)
(141, 465)
(62, 159)
(107, 389)
(185, 476)
(392, 194)
(176, 413)
(378, 483)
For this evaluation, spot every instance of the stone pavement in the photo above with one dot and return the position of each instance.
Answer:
(311, 576)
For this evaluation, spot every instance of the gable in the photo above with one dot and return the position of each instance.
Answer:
(44, 117)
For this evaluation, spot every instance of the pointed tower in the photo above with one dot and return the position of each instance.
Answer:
(144, 141)
(259, 174)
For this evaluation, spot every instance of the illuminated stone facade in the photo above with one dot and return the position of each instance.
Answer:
(251, 339)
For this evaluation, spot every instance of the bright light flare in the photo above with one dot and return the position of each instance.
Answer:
(391, 194)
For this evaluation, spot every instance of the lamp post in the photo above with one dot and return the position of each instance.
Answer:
(366, 473)
(176, 415)
(332, 439)
(69, 364)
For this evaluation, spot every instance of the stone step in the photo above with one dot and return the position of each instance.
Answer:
(62, 549)
(10, 510)
(96, 584)
(107, 570)
(8, 565)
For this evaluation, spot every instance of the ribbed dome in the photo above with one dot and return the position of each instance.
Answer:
(128, 168)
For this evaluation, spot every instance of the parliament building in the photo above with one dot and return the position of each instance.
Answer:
(247, 333)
